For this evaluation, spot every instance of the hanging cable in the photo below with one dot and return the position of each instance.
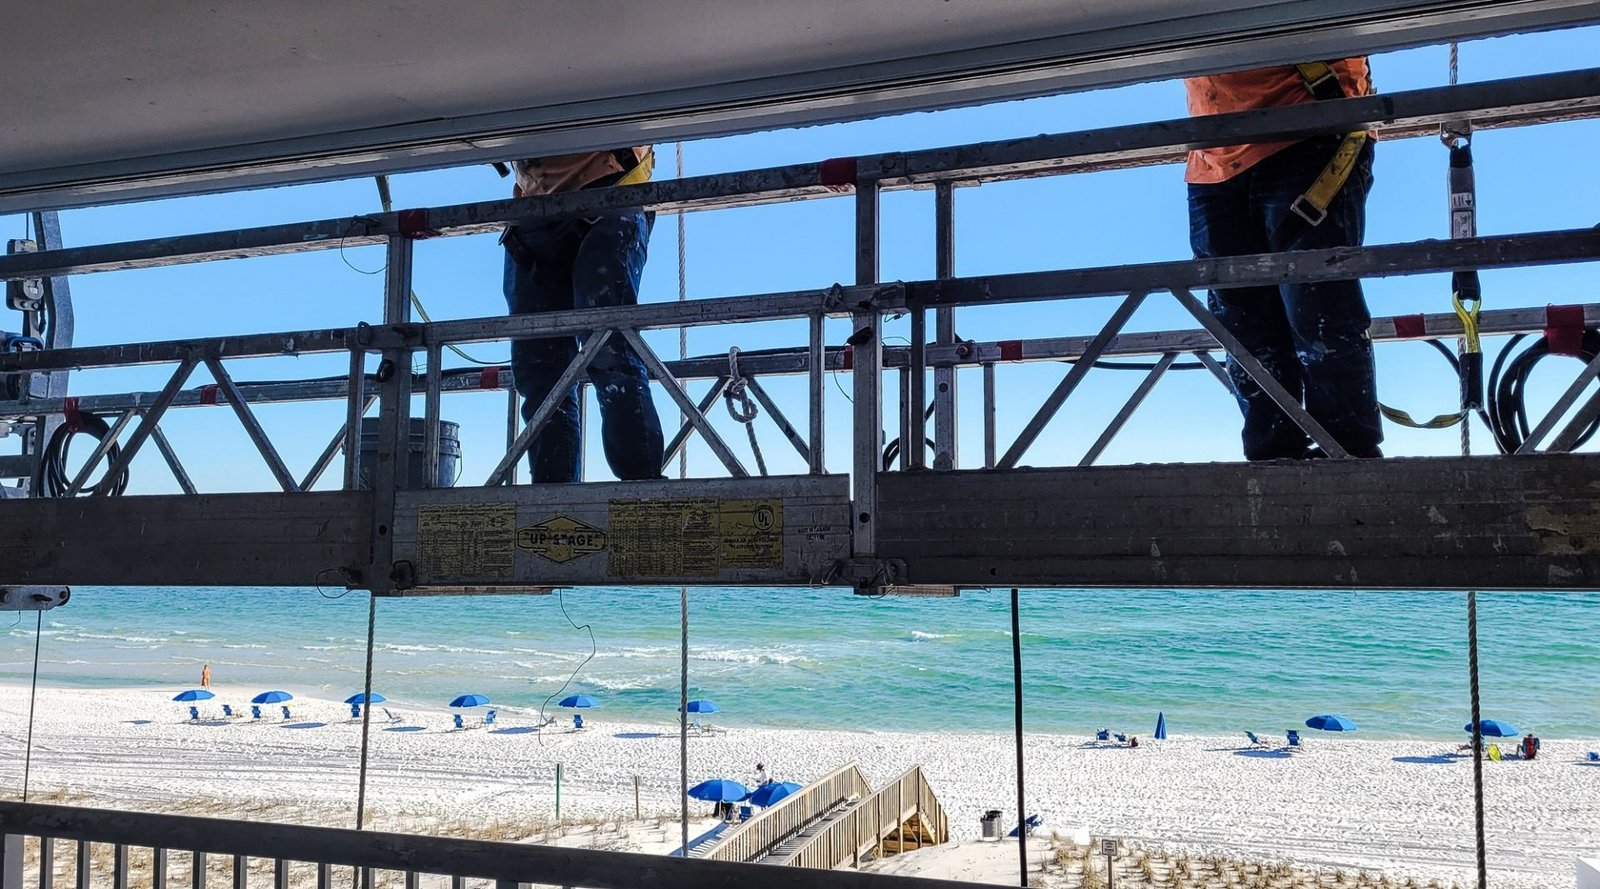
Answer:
(416, 301)
(366, 715)
(741, 408)
(561, 599)
(1016, 685)
(683, 591)
(33, 697)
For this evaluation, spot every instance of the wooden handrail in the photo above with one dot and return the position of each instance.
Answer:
(864, 826)
(777, 823)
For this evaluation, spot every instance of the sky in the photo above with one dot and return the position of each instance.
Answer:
(1532, 179)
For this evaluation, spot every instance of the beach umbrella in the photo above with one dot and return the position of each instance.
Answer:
(470, 700)
(1494, 728)
(1161, 726)
(767, 794)
(364, 698)
(1330, 723)
(192, 695)
(578, 701)
(702, 707)
(272, 697)
(719, 790)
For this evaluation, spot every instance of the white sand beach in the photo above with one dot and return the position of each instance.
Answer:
(1403, 808)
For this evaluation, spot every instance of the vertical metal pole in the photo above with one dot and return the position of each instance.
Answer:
(511, 429)
(636, 813)
(989, 448)
(905, 420)
(817, 382)
(1016, 685)
(945, 448)
(913, 453)
(867, 377)
(430, 413)
(47, 864)
(197, 871)
(366, 714)
(394, 413)
(353, 410)
(11, 860)
(683, 716)
(558, 791)
(158, 869)
(119, 867)
(84, 858)
(241, 872)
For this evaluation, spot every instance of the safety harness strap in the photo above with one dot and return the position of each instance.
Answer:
(1310, 208)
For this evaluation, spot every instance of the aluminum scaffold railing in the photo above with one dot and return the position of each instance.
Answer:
(871, 529)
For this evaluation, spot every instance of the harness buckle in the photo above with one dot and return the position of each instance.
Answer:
(1310, 212)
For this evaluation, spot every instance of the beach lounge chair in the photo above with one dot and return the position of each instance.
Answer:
(1294, 740)
(1594, 756)
(744, 813)
(488, 717)
(1494, 752)
(1033, 823)
(1255, 741)
(228, 711)
(286, 716)
(255, 711)
(459, 723)
(194, 714)
(355, 711)
(577, 722)
(1121, 738)
(1103, 735)
(388, 715)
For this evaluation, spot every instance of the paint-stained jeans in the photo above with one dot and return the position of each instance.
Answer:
(573, 264)
(1311, 337)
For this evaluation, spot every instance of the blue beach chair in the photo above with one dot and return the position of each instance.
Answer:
(1294, 740)
(1121, 738)
(1103, 735)
(488, 717)
(355, 711)
(227, 710)
(577, 722)
(1594, 756)
(1255, 741)
(459, 723)
(194, 714)
(286, 716)
(255, 711)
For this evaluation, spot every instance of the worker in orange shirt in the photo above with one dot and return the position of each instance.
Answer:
(560, 264)
(1277, 196)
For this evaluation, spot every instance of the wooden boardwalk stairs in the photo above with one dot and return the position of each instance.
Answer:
(838, 821)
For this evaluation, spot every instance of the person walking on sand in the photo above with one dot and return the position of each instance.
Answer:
(205, 676)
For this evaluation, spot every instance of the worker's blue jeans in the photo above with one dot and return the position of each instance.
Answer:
(1311, 337)
(576, 264)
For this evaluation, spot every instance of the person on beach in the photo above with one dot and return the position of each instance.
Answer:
(1530, 746)
(761, 777)
(205, 676)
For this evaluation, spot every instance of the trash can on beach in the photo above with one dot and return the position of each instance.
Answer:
(991, 824)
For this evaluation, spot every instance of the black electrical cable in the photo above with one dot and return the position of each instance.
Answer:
(53, 460)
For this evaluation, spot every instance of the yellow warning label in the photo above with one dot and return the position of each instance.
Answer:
(473, 541)
(561, 539)
(698, 537)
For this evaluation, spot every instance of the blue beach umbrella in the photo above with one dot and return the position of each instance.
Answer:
(700, 707)
(192, 695)
(272, 697)
(1161, 726)
(767, 794)
(719, 790)
(578, 701)
(470, 700)
(363, 698)
(1329, 723)
(1494, 728)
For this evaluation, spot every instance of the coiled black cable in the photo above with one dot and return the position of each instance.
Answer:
(53, 461)
(1505, 411)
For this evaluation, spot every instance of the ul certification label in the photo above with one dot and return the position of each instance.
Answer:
(694, 537)
(473, 541)
(561, 539)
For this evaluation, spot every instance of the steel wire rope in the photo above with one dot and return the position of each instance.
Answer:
(561, 599)
(33, 696)
(683, 590)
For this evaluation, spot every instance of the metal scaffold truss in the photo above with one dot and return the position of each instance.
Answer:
(914, 514)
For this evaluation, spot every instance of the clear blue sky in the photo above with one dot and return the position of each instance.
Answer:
(1529, 180)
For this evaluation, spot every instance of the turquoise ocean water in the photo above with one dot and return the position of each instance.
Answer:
(1214, 661)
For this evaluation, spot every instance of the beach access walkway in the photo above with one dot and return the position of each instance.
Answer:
(837, 821)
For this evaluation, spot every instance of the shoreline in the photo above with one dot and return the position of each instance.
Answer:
(1400, 807)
